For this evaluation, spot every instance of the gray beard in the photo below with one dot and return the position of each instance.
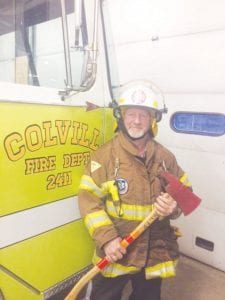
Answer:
(136, 134)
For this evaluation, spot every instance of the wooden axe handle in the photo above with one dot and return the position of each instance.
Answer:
(104, 262)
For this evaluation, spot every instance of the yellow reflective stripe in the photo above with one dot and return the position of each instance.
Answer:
(108, 187)
(88, 184)
(184, 179)
(163, 270)
(96, 220)
(115, 269)
(130, 212)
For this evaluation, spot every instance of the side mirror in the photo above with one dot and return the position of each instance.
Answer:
(81, 59)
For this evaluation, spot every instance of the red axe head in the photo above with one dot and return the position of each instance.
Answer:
(185, 198)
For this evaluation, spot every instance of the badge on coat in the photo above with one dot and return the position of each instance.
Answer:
(95, 166)
(122, 185)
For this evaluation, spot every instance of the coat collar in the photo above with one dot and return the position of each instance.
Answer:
(128, 146)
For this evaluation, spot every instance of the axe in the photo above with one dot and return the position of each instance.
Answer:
(186, 200)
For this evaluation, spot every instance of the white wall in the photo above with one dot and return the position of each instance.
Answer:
(180, 45)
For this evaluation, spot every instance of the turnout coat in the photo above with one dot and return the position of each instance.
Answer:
(139, 183)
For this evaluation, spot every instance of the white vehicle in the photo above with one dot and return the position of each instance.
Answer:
(61, 64)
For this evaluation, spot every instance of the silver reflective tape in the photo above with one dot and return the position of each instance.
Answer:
(28, 223)
(53, 291)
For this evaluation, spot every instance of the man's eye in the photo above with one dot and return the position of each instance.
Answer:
(144, 116)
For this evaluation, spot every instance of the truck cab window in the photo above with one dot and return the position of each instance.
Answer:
(33, 40)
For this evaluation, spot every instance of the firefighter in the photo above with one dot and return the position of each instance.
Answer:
(132, 160)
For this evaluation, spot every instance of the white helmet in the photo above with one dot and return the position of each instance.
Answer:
(142, 93)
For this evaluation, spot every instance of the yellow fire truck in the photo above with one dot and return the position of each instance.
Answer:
(51, 75)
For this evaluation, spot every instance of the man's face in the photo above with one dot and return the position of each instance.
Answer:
(136, 121)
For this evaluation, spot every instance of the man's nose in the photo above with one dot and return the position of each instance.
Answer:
(137, 118)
